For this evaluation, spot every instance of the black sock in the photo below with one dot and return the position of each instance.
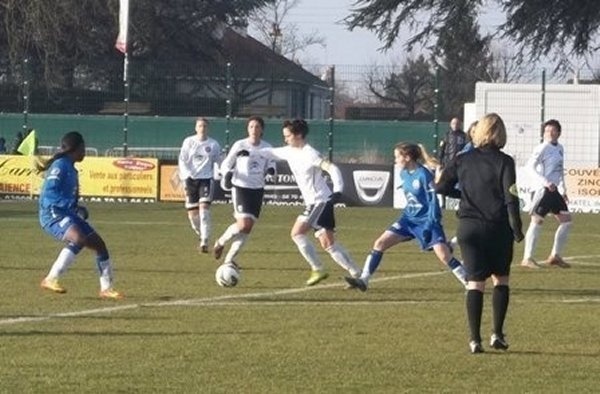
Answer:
(500, 298)
(474, 310)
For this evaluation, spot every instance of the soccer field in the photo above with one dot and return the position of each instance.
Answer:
(177, 331)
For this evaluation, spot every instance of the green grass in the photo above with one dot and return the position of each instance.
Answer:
(177, 331)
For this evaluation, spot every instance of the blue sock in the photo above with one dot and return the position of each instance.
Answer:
(373, 261)
(453, 263)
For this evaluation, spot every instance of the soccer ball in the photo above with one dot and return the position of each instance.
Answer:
(227, 275)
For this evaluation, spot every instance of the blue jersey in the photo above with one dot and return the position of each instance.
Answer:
(60, 191)
(421, 200)
(467, 148)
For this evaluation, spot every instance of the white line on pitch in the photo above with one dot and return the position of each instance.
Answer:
(206, 300)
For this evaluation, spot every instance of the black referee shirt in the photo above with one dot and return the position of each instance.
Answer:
(487, 182)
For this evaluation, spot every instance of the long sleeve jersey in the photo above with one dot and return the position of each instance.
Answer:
(248, 171)
(546, 164)
(487, 186)
(307, 165)
(197, 157)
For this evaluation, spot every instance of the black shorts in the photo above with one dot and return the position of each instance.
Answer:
(320, 216)
(247, 202)
(545, 201)
(486, 248)
(198, 191)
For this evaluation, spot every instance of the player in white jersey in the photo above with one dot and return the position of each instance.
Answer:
(547, 166)
(307, 166)
(197, 157)
(246, 173)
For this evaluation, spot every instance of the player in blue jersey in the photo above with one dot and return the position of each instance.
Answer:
(63, 218)
(420, 220)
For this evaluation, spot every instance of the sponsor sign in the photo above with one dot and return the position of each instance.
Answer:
(99, 177)
(118, 177)
(364, 185)
(18, 178)
(582, 184)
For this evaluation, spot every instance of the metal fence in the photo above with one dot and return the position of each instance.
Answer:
(159, 92)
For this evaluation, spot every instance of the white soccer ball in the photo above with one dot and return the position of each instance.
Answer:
(227, 275)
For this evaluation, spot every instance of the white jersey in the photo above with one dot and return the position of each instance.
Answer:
(248, 171)
(547, 165)
(197, 157)
(307, 165)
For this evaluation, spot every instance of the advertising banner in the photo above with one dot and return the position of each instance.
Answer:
(124, 179)
(18, 179)
(582, 184)
(364, 185)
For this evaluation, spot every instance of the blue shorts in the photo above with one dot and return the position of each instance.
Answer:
(58, 228)
(406, 228)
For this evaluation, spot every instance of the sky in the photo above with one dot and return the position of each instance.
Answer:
(344, 47)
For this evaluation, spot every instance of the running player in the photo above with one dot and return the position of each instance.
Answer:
(63, 218)
(307, 166)
(420, 220)
(247, 176)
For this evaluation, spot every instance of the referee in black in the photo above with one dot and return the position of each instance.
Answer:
(489, 223)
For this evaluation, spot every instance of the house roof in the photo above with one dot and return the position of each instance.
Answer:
(251, 58)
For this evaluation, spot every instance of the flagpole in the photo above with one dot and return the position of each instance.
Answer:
(125, 101)
(122, 45)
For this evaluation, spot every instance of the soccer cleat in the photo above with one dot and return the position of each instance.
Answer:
(475, 347)
(218, 250)
(557, 261)
(316, 277)
(110, 294)
(356, 283)
(452, 244)
(52, 285)
(530, 263)
(498, 342)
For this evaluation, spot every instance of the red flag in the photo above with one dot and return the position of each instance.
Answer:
(121, 44)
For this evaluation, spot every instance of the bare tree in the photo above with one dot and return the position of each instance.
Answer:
(506, 66)
(281, 36)
(409, 86)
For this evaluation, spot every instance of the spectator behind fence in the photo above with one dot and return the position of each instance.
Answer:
(454, 141)
(2, 146)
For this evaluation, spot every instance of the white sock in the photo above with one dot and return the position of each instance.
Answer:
(106, 274)
(236, 245)
(62, 263)
(340, 256)
(308, 251)
(229, 233)
(531, 236)
(195, 222)
(560, 238)
(204, 224)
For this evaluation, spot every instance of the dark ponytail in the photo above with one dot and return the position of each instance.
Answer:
(68, 143)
